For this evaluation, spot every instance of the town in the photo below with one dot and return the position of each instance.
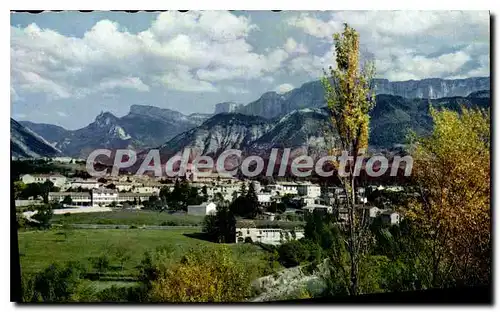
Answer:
(278, 201)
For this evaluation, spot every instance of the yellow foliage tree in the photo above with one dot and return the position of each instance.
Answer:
(203, 275)
(452, 170)
(350, 97)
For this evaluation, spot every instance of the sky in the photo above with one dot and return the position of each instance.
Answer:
(67, 67)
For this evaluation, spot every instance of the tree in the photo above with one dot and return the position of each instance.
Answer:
(292, 253)
(44, 215)
(273, 207)
(280, 207)
(19, 188)
(100, 263)
(208, 274)
(221, 227)
(452, 171)
(67, 200)
(204, 193)
(122, 253)
(350, 97)
(56, 283)
(252, 201)
(219, 199)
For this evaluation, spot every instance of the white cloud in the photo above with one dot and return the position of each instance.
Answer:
(62, 114)
(126, 82)
(184, 51)
(405, 44)
(291, 46)
(283, 88)
(236, 90)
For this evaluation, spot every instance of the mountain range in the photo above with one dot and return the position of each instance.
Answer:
(295, 119)
(311, 94)
(26, 143)
(143, 127)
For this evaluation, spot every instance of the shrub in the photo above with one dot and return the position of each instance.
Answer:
(54, 284)
(209, 274)
(292, 253)
(248, 240)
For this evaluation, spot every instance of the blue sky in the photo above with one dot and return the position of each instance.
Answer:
(67, 67)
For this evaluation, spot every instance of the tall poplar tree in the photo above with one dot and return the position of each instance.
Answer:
(350, 97)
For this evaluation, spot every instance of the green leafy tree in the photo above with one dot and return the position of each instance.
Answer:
(122, 254)
(221, 227)
(44, 215)
(252, 201)
(19, 188)
(100, 263)
(292, 253)
(350, 97)
(56, 283)
(165, 192)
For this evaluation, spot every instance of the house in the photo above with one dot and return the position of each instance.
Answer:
(202, 210)
(267, 236)
(374, 211)
(287, 188)
(77, 198)
(309, 189)
(104, 196)
(57, 179)
(316, 207)
(224, 177)
(390, 217)
(86, 184)
(124, 186)
(131, 197)
(269, 216)
(265, 199)
(148, 188)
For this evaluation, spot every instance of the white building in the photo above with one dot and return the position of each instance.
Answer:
(309, 189)
(86, 184)
(284, 188)
(123, 186)
(202, 210)
(57, 179)
(374, 211)
(131, 197)
(265, 199)
(267, 236)
(104, 196)
(147, 188)
(77, 198)
(313, 207)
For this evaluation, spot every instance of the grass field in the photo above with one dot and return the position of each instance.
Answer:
(38, 249)
(146, 217)
(129, 217)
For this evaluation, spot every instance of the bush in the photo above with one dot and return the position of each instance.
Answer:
(113, 294)
(292, 253)
(133, 227)
(54, 284)
(209, 274)
(248, 240)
